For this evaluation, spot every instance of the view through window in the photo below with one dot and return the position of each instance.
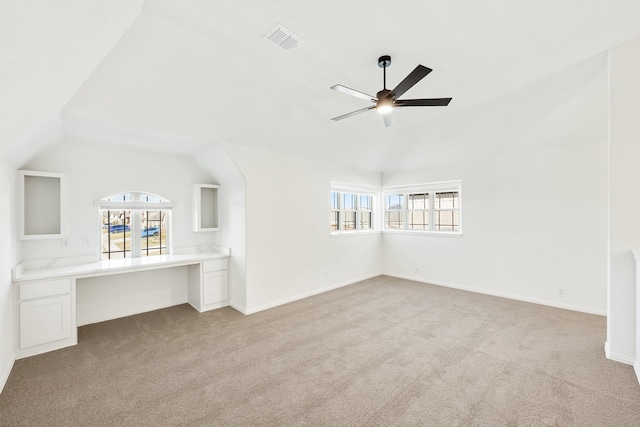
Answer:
(134, 225)
(351, 210)
(429, 207)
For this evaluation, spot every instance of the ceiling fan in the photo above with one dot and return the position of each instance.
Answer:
(386, 100)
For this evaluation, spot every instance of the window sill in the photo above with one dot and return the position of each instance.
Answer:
(426, 233)
(353, 233)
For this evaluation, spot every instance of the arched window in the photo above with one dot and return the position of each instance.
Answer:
(134, 224)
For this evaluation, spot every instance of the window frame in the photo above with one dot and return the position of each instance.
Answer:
(427, 188)
(340, 211)
(138, 209)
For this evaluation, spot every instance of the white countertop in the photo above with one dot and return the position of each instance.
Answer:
(115, 266)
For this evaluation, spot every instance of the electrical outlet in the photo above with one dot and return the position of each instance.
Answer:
(86, 240)
(326, 275)
(417, 270)
(64, 242)
(562, 292)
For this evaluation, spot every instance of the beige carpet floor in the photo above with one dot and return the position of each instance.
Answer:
(383, 352)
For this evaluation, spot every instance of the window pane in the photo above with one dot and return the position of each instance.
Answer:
(154, 233)
(116, 234)
(349, 220)
(335, 218)
(365, 220)
(394, 202)
(418, 220)
(446, 220)
(334, 200)
(393, 220)
(448, 200)
(348, 201)
(419, 201)
(366, 202)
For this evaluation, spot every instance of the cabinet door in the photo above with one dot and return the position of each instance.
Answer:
(214, 287)
(45, 320)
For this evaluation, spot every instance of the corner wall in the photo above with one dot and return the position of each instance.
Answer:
(534, 197)
(533, 223)
(290, 252)
(221, 169)
(624, 199)
(8, 255)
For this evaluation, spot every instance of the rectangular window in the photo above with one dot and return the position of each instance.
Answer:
(394, 211)
(351, 210)
(117, 228)
(446, 211)
(427, 207)
(418, 211)
(335, 210)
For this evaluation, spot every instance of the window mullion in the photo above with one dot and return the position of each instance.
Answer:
(432, 206)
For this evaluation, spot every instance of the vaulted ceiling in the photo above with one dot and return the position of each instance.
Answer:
(178, 76)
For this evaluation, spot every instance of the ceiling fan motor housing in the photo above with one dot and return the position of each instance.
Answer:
(383, 94)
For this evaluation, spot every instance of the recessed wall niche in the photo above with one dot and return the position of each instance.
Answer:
(205, 207)
(42, 205)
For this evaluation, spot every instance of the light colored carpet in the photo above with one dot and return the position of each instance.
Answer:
(383, 352)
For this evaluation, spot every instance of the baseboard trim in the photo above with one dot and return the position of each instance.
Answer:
(627, 360)
(237, 308)
(503, 295)
(5, 373)
(263, 307)
(636, 368)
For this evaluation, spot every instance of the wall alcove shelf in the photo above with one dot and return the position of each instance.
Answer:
(205, 207)
(42, 204)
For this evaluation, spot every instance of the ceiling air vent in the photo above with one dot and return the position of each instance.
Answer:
(284, 38)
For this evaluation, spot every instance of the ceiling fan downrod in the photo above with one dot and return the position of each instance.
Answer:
(383, 62)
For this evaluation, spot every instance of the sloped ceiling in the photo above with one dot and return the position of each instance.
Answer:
(186, 75)
(47, 50)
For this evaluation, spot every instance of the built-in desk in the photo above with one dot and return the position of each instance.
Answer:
(46, 297)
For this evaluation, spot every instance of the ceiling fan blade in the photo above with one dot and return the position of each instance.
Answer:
(353, 113)
(414, 77)
(389, 119)
(353, 92)
(433, 102)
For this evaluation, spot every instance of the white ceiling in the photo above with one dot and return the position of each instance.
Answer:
(184, 75)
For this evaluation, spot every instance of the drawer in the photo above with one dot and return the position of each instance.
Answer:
(44, 289)
(214, 265)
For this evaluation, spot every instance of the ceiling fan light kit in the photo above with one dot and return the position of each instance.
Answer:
(386, 100)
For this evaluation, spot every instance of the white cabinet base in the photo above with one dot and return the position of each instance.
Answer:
(46, 317)
(208, 285)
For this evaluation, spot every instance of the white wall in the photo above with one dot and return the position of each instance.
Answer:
(289, 247)
(95, 172)
(8, 255)
(220, 167)
(533, 223)
(533, 205)
(624, 201)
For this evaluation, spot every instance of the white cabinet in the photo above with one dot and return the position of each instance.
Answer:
(215, 289)
(45, 320)
(46, 316)
(205, 207)
(42, 205)
(208, 285)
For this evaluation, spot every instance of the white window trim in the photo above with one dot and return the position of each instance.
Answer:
(430, 188)
(357, 190)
